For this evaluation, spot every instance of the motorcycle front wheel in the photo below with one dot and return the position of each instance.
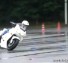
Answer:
(12, 45)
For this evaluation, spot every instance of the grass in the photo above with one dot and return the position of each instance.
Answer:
(47, 25)
(37, 26)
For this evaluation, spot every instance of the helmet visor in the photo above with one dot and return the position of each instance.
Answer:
(23, 27)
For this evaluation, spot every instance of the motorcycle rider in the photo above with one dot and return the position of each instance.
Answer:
(24, 25)
(18, 26)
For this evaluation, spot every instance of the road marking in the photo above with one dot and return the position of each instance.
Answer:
(29, 53)
(42, 36)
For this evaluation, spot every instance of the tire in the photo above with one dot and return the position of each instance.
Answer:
(11, 46)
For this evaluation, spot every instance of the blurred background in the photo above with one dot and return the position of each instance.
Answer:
(35, 11)
(47, 34)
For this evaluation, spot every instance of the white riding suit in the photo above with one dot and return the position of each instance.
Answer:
(19, 30)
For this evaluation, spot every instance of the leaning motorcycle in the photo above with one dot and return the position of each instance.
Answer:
(11, 37)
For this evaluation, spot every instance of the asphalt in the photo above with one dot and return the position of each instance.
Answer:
(37, 47)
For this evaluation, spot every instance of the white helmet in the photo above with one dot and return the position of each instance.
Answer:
(25, 22)
(24, 25)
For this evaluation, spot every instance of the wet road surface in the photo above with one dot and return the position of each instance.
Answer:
(52, 46)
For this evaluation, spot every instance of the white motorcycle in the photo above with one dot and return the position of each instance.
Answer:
(11, 37)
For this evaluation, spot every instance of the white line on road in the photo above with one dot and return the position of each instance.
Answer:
(42, 36)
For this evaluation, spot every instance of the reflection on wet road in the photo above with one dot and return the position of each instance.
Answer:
(51, 43)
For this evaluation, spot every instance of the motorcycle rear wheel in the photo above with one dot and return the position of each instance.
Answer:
(11, 46)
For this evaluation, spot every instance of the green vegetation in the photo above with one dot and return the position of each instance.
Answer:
(33, 10)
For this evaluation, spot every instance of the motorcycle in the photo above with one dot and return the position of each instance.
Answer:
(11, 37)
